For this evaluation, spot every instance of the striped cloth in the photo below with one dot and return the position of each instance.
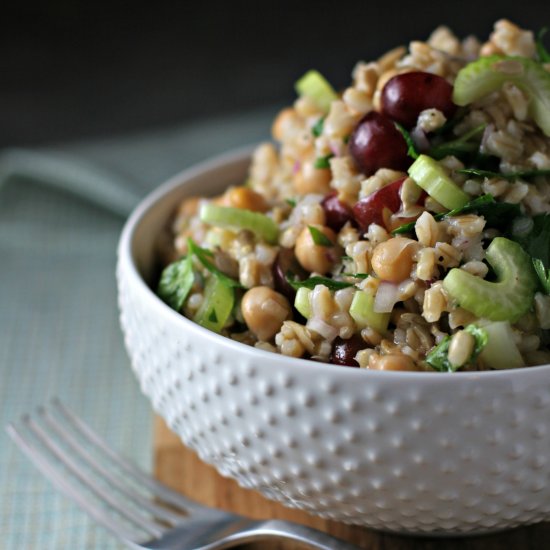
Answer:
(61, 211)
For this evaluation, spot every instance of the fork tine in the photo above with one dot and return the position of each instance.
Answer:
(161, 491)
(120, 484)
(134, 516)
(69, 489)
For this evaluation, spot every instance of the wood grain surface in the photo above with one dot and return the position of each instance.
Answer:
(181, 469)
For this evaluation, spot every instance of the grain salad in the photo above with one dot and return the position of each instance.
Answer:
(402, 223)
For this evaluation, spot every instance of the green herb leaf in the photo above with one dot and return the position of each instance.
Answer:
(542, 53)
(537, 241)
(203, 256)
(497, 214)
(312, 282)
(454, 149)
(213, 318)
(481, 338)
(292, 202)
(319, 238)
(537, 244)
(438, 358)
(405, 228)
(452, 122)
(176, 282)
(411, 148)
(543, 274)
(356, 275)
(317, 128)
(458, 147)
(524, 174)
(323, 162)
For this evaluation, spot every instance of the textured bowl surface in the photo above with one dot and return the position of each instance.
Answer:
(408, 452)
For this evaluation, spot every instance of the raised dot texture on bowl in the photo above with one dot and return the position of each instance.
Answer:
(408, 452)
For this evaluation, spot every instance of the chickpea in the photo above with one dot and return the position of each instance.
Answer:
(246, 198)
(287, 121)
(392, 260)
(312, 180)
(391, 361)
(315, 257)
(264, 311)
(189, 207)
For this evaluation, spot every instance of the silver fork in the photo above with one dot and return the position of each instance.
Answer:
(134, 507)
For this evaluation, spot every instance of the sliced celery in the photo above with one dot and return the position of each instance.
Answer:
(362, 312)
(315, 86)
(219, 298)
(431, 176)
(507, 299)
(500, 351)
(237, 218)
(302, 303)
(488, 74)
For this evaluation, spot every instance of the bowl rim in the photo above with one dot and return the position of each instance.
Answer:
(124, 254)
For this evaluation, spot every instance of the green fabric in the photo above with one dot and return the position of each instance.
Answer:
(61, 211)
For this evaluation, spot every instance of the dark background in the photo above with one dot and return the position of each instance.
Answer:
(73, 69)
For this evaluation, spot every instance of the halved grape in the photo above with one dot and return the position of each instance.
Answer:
(507, 299)
(376, 143)
(337, 213)
(488, 74)
(406, 95)
(344, 351)
(371, 208)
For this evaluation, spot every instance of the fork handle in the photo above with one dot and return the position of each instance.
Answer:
(294, 532)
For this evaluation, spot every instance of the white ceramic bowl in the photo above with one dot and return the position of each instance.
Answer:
(408, 452)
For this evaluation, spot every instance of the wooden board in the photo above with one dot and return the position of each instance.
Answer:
(181, 469)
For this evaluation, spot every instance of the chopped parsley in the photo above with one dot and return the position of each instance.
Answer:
(312, 282)
(203, 256)
(438, 358)
(497, 214)
(323, 162)
(319, 238)
(292, 202)
(356, 275)
(536, 243)
(213, 318)
(317, 128)
(411, 148)
(524, 174)
(458, 147)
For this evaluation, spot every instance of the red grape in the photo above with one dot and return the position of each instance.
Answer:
(337, 213)
(344, 351)
(377, 143)
(405, 95)
(371, 209)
